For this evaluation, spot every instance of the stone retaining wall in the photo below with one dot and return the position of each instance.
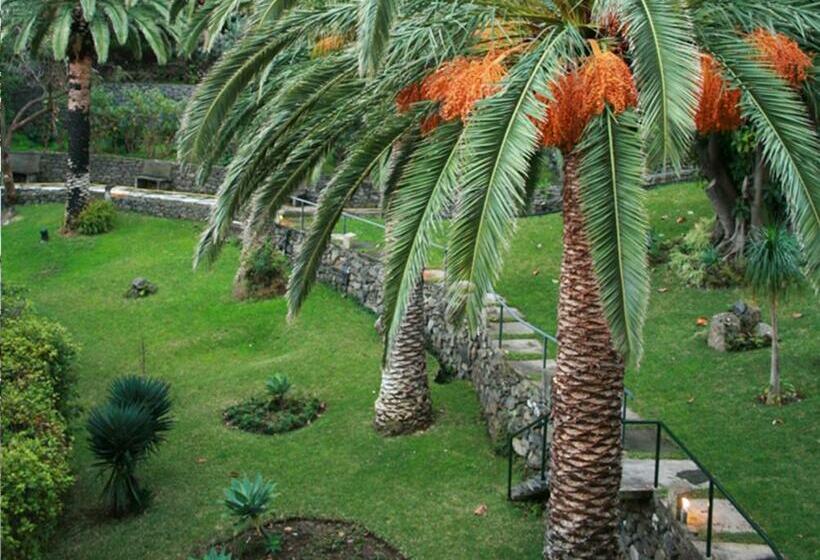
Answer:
(116, 170)
(649, 530)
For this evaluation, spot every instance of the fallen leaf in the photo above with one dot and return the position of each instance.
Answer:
(796, 315)
(680, 219)
(690, 400)
(665, 217)
(200, 460)
(663, 290)
(481, 510)
(288, 529)
(536, 272)
(777, 421)
(690, 213)
(702, 321)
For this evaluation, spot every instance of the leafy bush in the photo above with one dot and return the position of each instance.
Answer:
(275, 412)
(96, 218)
(265, 273)
(123, 432)
(35, 361)
(144, 123)
(213, 554)
(698, 264)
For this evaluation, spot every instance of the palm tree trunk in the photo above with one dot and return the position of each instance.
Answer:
(585, 460)
(404, 404)
(79, 134)
(773, 395)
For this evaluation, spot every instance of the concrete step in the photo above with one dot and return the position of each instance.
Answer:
(737, 551)
(639, 474)
(522, 346)
(493, 313)
(509, 329)
(531, 489)
(725, 518)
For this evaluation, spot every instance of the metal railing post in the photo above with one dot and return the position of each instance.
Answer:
(509, 467)
(709, 519)
(344, 223)
(544, 361)
(544, 450)
(657, 453)
(302, 216)
(500, 323)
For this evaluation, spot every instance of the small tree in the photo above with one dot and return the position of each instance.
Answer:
(773, 266)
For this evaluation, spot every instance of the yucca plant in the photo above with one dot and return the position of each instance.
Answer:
(124, 432)
(277, 387)
(773, 268)
(472, 92)
(81, 31)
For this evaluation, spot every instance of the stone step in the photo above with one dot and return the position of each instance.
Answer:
(509, 329)
(639, 474)
(522, 346)
(493, 313)
(725, 518)
(531, 489)
(533, 369)
(736, 551)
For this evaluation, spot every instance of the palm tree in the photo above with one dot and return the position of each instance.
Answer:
(772, 268)
(613, 83)
(80, 31)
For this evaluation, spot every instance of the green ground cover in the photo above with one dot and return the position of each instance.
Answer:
(417, 492)
(767, 457)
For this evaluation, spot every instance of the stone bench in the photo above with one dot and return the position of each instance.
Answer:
(25, 167)
(155, 172)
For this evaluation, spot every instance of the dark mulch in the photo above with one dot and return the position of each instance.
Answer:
(312, 539)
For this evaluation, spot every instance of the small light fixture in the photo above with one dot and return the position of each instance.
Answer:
(44, 235)
(684, 510)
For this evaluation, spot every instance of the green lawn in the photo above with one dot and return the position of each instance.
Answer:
(769, 458)
(417, 492)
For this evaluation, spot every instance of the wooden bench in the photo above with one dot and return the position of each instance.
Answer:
(155, 172)
(25, 167)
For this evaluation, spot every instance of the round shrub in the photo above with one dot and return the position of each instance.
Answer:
(264, 273)
(97, 217)
(36, 475)
(275, 412)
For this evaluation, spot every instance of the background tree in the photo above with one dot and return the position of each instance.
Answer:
(80, 31)
(487, 85)
(772, 268)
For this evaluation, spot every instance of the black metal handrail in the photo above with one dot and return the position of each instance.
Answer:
(714, 483)
(543, 335)
(660, 427)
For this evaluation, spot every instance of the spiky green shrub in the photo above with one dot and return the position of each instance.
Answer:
(97, 217)
(248, 500)
(278, 386)
(213, 554)
(123, 432)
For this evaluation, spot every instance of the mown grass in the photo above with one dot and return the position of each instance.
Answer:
(417, 492)
(769, 458)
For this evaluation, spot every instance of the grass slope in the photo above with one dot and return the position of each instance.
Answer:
(417, 492)
(768, 458)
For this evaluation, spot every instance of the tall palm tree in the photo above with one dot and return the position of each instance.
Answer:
(80, 31)
(613, 83)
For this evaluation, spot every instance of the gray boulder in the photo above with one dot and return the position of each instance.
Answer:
(140, 287)
(739, 329)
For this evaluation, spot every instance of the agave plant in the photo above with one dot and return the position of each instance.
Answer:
(213, 554)
(772, 268)
(277, 387)
(123, 433)
(248, 500)
(467, 95)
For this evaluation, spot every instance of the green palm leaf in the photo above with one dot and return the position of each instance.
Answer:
(61, 31)
(612, 198)
(119, 20)
(499, 141)
(426, 188)
(790, 143)
(364, 157)
(375, 19)
(665, 63)
(89, 9)
(101, 35)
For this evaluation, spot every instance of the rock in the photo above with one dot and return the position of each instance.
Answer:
(763, 334)
(749, 315)
(724, 329)
(140, 287)
(633, 553)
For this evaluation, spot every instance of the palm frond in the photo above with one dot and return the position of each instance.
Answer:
(426, 189)
(364, 156)
(499, 141)
(665, 63)
(790, 143)
(375, 20)
(616, 223)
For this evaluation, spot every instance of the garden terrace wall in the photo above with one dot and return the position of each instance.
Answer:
(117, 170)
(650, 531)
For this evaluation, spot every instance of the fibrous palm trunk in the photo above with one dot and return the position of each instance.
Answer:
(79, 133)
(585, 460)
(404, 404)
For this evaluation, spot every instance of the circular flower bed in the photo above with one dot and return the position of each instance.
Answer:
(310, 539)
(277, 412)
